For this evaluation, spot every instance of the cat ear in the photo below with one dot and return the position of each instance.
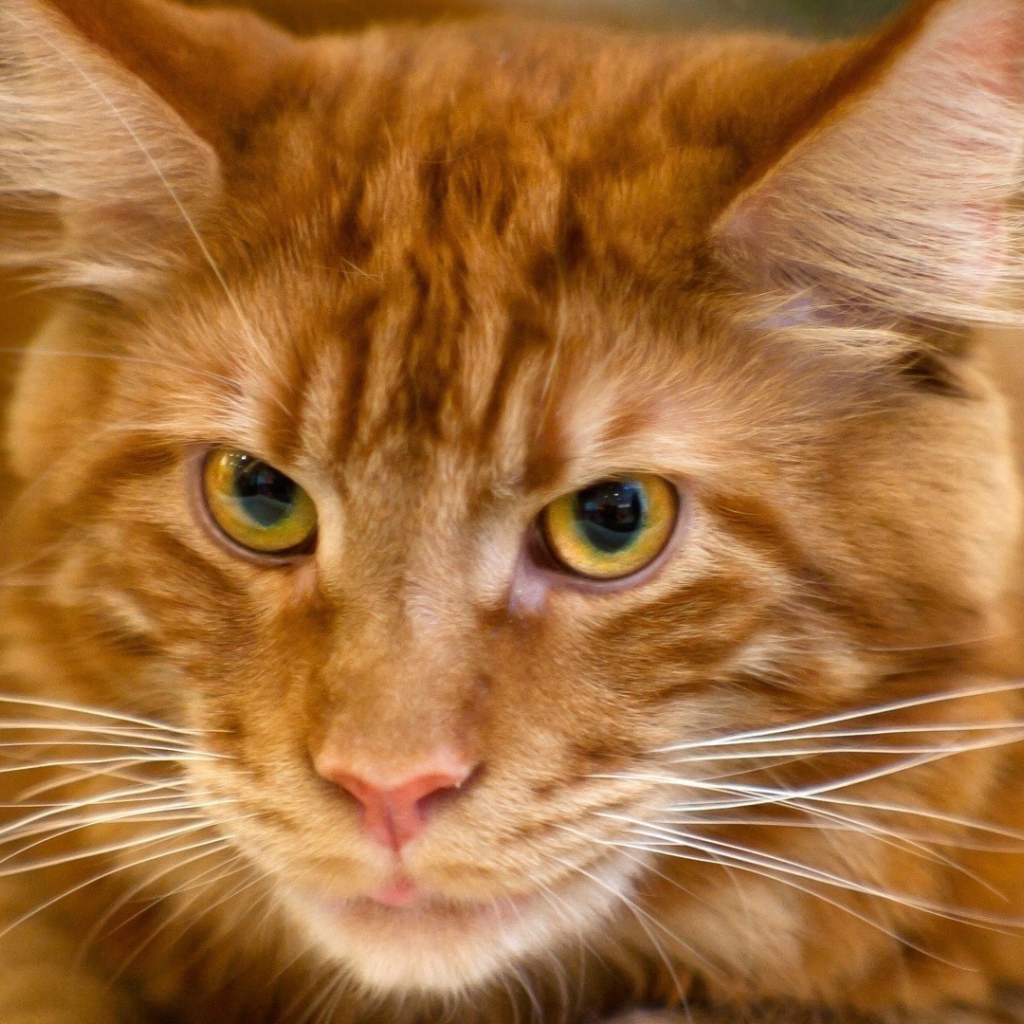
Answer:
(903, 201)
(106, 169)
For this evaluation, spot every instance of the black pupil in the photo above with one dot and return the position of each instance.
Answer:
(611, 514)
(266, 496)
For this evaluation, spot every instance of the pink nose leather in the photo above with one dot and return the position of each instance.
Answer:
(395, 816)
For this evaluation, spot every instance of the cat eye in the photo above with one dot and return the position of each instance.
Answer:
(612, 529)
(256, 506)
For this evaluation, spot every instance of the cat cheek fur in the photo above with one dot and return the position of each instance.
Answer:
(441, 277)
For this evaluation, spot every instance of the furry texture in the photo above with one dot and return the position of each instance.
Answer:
(119, 205)
(441, 276)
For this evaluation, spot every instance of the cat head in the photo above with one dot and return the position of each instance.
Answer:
(477, 435)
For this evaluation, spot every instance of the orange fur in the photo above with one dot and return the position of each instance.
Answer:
(441, 276)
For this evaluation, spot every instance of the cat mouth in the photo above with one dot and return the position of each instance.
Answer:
(405, 935)
(430, 939)
(403, 902)
(398, 893)
(402, 936)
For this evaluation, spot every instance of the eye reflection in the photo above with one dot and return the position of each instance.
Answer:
(257, 506)
(613, 528)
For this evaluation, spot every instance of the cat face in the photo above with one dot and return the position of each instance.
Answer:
(441, 306)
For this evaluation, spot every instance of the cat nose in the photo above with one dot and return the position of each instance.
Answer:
(395, 815)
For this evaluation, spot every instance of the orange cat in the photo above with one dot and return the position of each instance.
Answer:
(512, 522)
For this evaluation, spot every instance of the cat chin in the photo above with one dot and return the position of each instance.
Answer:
(449, 948)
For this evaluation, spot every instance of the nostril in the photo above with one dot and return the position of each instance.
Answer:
(442, 795)
(425, 789)
(362, 792)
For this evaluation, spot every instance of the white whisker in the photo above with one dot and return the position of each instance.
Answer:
(644, 919)
(724, 860)
(758, 735)
(181, 911)
(98, 763)
(104, 850)
(92, 880)
(49, 811)
(784, 865)
(1016, 729)
(127, 773)
(134, 892)
(750, 795)
(147, 739)
(81, 709)
(147, 815)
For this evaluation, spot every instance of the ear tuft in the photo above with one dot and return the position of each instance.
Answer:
(100, 179)
(905, 200)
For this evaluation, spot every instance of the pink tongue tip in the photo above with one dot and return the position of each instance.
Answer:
(396, 894)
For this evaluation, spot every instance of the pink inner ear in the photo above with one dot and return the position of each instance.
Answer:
(903, 196)
(995, 52)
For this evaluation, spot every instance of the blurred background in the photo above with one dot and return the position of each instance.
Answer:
(807, 17)
(812, 17)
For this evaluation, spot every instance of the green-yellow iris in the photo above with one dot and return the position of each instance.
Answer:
(612, 529)
(257, 506)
